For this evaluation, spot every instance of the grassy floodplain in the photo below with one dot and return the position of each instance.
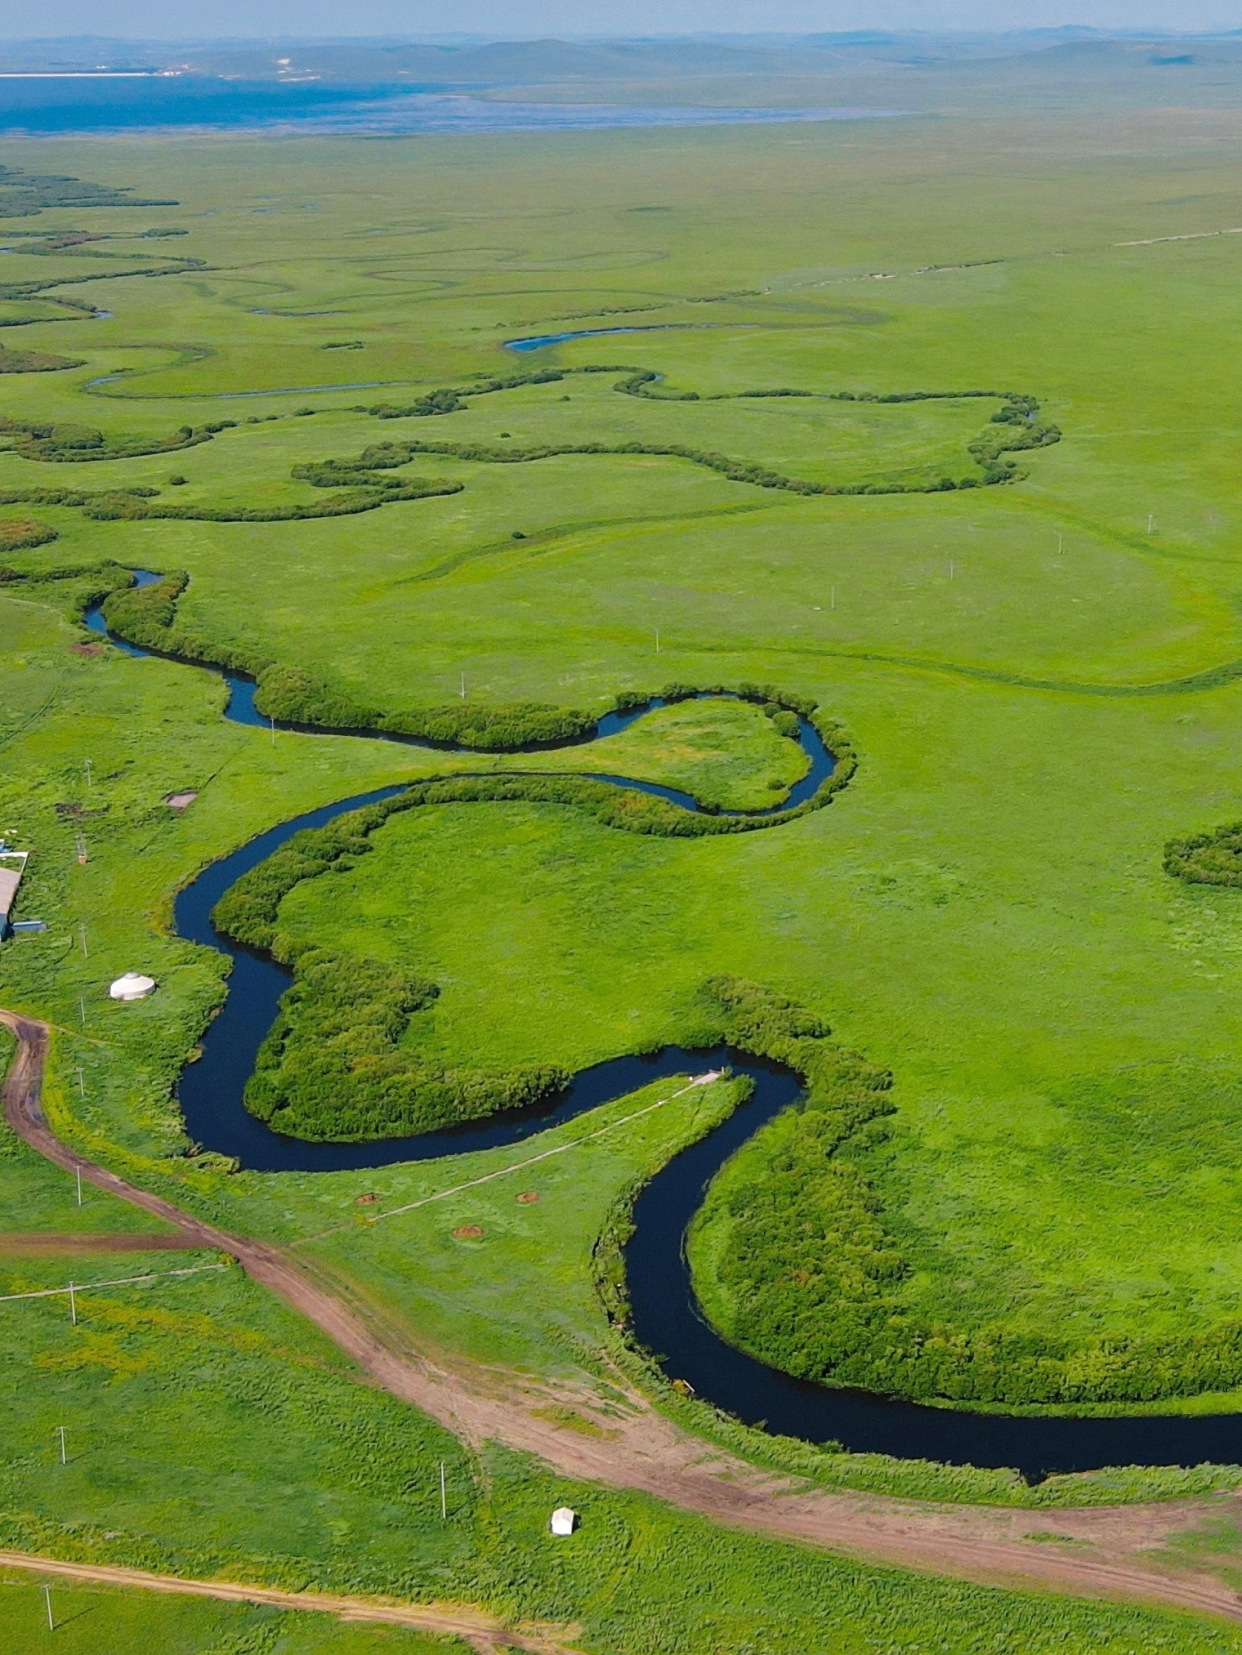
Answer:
(1040, 677)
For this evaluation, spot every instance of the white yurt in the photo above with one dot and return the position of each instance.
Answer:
(564, 1520)
(132, 986)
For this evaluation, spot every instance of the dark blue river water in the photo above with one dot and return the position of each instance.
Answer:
(666, 1317)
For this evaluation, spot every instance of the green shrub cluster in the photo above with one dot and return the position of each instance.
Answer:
(23, 194)
(332, 1067)
(379, 492)
(62, 441)
(503, 729)
(145, 614)
(247, 911)
(1018, 416)
(449, 398)
(70, 496)
(1013, 427)
(1213, 858)
(294, 696)
(810, 1273)
(34, 362)
(18, 533)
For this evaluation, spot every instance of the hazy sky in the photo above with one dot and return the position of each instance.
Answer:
(515, 19)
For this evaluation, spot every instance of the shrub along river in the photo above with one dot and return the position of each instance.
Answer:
(666, 1316)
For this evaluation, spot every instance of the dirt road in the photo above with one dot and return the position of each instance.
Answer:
(484, 1632)
(1114, 1552)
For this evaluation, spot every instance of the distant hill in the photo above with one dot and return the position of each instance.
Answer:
(863, 68)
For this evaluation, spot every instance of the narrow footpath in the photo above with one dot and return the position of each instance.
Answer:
(1117, 1552)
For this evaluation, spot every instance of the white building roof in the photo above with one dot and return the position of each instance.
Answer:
(132, 986)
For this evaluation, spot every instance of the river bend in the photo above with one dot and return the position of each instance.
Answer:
(666, 1317)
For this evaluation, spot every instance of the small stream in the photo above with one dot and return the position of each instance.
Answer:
(666, 1316)
(541, 341)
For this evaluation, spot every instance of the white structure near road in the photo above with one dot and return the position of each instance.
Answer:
(132, 986)
(564, 1521)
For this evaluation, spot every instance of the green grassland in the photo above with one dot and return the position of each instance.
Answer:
(1040, 676)
(210, 1433)
(95, 1620)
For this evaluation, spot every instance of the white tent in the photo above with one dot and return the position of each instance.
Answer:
(564, 1520)
(132, 986)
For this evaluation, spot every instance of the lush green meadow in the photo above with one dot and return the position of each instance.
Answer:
(95, 1620)
(210, 1432)
(1040, 676)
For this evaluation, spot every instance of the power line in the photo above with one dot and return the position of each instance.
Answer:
(75, 1288)
(441, 1195)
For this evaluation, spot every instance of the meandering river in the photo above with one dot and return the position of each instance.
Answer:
(666, 1317)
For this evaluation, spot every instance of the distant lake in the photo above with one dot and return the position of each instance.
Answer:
(56, 104)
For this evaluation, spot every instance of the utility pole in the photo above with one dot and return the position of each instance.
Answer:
(81, 1081)
(657, 640)
(61, 1430)
(82, 1009)
(47, 1598)
(463, 686)
(82, 934)
(1151, 522)
(950, 568)
(86, 765)
(443, 1499)
(78, 1171)
(73, 1306)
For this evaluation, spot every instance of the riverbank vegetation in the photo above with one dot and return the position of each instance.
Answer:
(794, 1262)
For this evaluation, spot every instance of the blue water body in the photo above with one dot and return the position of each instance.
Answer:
(665, 1314)
(541, 341)
(161, 102)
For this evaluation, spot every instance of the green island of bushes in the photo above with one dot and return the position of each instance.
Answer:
(1212, 858)
(35, 362)
(20, 533)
